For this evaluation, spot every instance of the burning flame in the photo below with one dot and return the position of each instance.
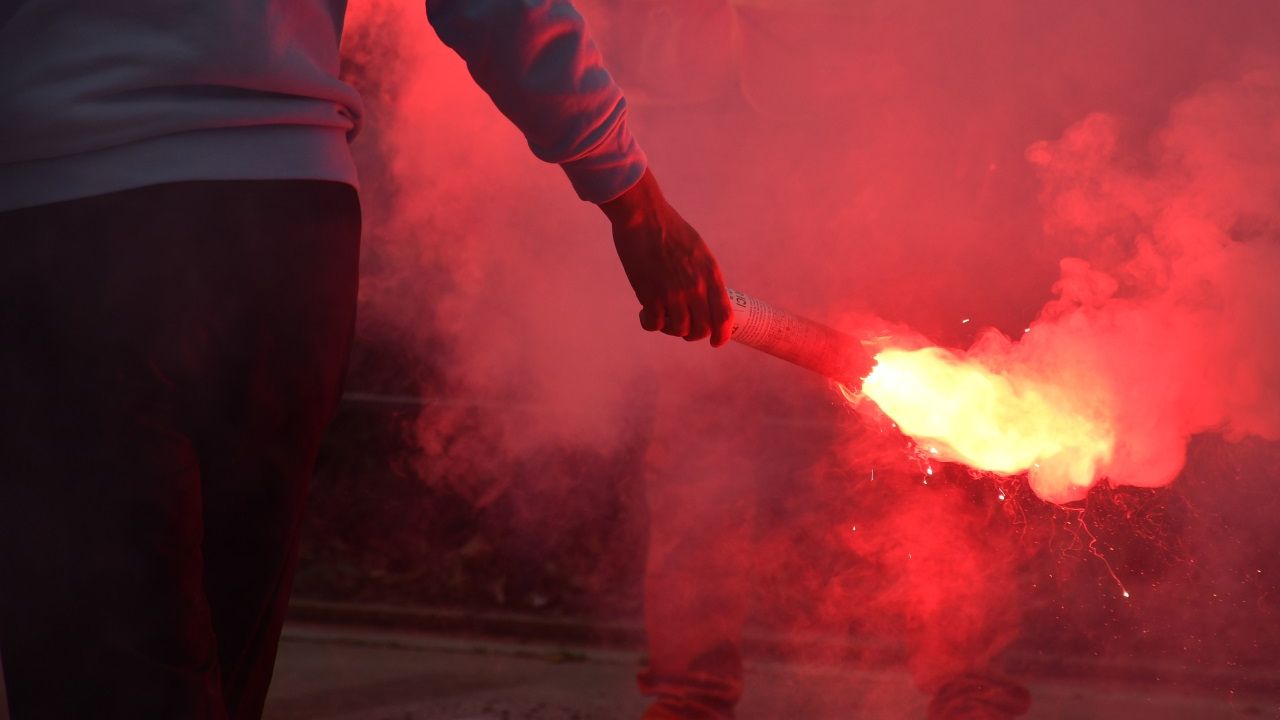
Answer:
(1003, 422)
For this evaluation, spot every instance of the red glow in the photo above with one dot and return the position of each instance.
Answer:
(1003, 423)
(1159, 335)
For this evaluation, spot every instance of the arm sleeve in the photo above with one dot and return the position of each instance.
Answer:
(536, 61)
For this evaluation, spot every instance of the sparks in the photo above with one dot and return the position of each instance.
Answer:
(1092, 547)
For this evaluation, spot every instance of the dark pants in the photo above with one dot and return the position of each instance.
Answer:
(169, 358)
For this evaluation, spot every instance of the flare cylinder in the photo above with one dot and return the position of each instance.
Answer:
(799, 341)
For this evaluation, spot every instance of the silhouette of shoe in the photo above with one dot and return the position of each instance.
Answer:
(979, 697)
(668, 709)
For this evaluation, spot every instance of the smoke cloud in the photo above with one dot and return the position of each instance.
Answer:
(1170, 310)
(1104, 173)
(1163, 328)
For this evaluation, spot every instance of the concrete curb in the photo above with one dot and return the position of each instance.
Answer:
(470, 623)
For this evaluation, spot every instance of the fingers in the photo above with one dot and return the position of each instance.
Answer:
(720, 313)
(699, 314)
(694, 317)
(677, 318)
(651, 317)
(676, 323)
(699, 318)
(690, 318)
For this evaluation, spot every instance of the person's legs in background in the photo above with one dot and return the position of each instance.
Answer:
(942, 578)
(171, 357)
(956, 646)
(700, 486)
(746, 436)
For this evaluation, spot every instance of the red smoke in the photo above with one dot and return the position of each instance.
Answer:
(1163, 328)
(922, 162)
(1176, 308)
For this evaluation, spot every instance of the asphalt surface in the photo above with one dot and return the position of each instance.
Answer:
(342, 673)
(327, 672)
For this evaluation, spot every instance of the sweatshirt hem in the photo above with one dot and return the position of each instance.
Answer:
(267, 152)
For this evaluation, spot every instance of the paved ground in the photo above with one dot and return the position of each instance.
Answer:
(334, 673)
(330, 672)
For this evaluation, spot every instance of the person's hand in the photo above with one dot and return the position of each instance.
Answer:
(671, 269)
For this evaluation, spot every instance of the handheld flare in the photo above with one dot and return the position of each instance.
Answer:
(799, 341)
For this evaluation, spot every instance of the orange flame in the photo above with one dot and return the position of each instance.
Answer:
(1002, 422)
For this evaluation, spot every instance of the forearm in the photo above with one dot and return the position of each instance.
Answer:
(538, 63)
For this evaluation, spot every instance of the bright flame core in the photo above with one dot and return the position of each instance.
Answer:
(1001, 422)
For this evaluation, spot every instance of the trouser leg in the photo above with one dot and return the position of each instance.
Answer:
(700, 486)
(171, 356)
(258, 442)
(102, 612)
(721, 444)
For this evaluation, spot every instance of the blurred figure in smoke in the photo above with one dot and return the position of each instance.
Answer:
(178, 204)
(707, 473)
